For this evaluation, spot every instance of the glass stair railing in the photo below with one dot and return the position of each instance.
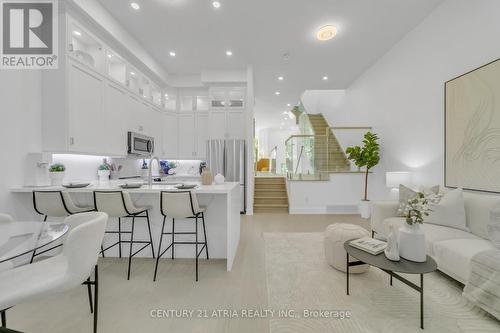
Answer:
(319, 150)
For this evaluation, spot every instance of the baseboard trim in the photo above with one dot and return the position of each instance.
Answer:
(333, 209)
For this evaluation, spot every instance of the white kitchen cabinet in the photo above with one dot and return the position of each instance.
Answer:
(170, 133)
(235, 125)
(116, 115)
(155, 130)
(187, 135)
(217, 124)
(85, 98)
(201, 135)
(226, 124)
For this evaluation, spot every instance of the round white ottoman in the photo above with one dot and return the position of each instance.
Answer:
(335, 237)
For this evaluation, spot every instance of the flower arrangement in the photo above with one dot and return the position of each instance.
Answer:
(57, 167)
(417, 209)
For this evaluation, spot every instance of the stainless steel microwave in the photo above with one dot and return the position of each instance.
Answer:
(140, 145)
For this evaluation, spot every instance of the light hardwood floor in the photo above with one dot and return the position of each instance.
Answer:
(125, 306)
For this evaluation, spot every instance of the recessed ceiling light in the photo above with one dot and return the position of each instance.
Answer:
(77, 33)
(325, 78)
(135, 5)
(326, 32)
(216, 4)
(172, 53)
(281, 78)
(289, 104)
(285, 112)
(132, 73)
(277, 93)
(229, 53)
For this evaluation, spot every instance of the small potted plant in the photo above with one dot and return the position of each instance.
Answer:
(367, 157)
(56, 173)
(411, 236)
(104, 171)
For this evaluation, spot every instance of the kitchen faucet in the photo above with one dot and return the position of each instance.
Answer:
(150, 172)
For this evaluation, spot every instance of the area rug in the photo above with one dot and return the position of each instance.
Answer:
(307, 295)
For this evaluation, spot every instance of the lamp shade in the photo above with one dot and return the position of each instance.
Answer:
(394, 178)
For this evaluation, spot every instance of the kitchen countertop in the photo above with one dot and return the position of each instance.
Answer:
(113, 185)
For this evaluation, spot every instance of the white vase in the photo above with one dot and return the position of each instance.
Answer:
(412, 243)
(56, 178)
(365, 208)
(103, 176)
(219, 179)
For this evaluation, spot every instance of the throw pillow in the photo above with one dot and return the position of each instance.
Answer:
(494, 227)
(406, 194)
(450, 211)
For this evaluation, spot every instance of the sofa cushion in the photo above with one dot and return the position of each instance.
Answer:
(453, 256)
(433, 233)
(477, 210)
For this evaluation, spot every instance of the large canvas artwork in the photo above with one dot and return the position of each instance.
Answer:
(472, 129)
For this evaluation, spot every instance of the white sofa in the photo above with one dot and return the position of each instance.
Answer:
(451, 248)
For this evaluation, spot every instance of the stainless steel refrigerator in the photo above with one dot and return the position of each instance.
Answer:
(228, 157)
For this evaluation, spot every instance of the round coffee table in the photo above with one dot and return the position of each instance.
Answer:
(392, 268)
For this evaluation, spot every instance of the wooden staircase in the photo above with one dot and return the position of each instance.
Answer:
(270, 195)
(328, 155)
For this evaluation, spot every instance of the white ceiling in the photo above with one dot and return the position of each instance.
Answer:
(259, 32)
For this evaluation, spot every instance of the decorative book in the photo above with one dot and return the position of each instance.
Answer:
(370, 245)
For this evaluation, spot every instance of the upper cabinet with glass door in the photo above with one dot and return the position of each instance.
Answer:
(227, 98)
(236, 98)
(116, 67)
(155, 95)
(85, 47)
(170, 100)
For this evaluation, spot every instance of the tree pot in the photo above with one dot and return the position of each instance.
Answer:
(365, 208)
(412, 243)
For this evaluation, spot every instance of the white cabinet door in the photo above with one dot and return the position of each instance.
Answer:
(217, 124)
(170, 133)
(155, 125)
(187, 135)
(134, 114)
(85, 94)
(201, 134)
(115, 112)
(235, 125)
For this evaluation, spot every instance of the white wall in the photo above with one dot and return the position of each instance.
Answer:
(20, 133)
(402, 95)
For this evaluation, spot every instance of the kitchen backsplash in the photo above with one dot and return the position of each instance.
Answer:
(84, 167)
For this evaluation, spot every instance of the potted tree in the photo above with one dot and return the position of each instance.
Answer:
(366, 157)
(56, 173)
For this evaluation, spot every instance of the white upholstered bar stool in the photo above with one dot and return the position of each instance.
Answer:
(181, 205)
(5, 218)
(55, 204)
(65, 271)
(118, 204)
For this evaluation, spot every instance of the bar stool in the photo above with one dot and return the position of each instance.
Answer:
(181, 205)
(118, 204)
(55, 204)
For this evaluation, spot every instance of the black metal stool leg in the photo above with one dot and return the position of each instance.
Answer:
(173, 237)
(196, 245)
(159, 248)
(96, 287)
(4, 318)
(89, 290)
(131, 243)
(150, 235)
(205, 233)
(120, 237)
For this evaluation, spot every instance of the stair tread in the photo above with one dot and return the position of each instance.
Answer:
(271, 205)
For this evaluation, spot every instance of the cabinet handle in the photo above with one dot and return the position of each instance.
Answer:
(71, 141)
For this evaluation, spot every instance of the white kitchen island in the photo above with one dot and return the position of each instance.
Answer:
(222, 216)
